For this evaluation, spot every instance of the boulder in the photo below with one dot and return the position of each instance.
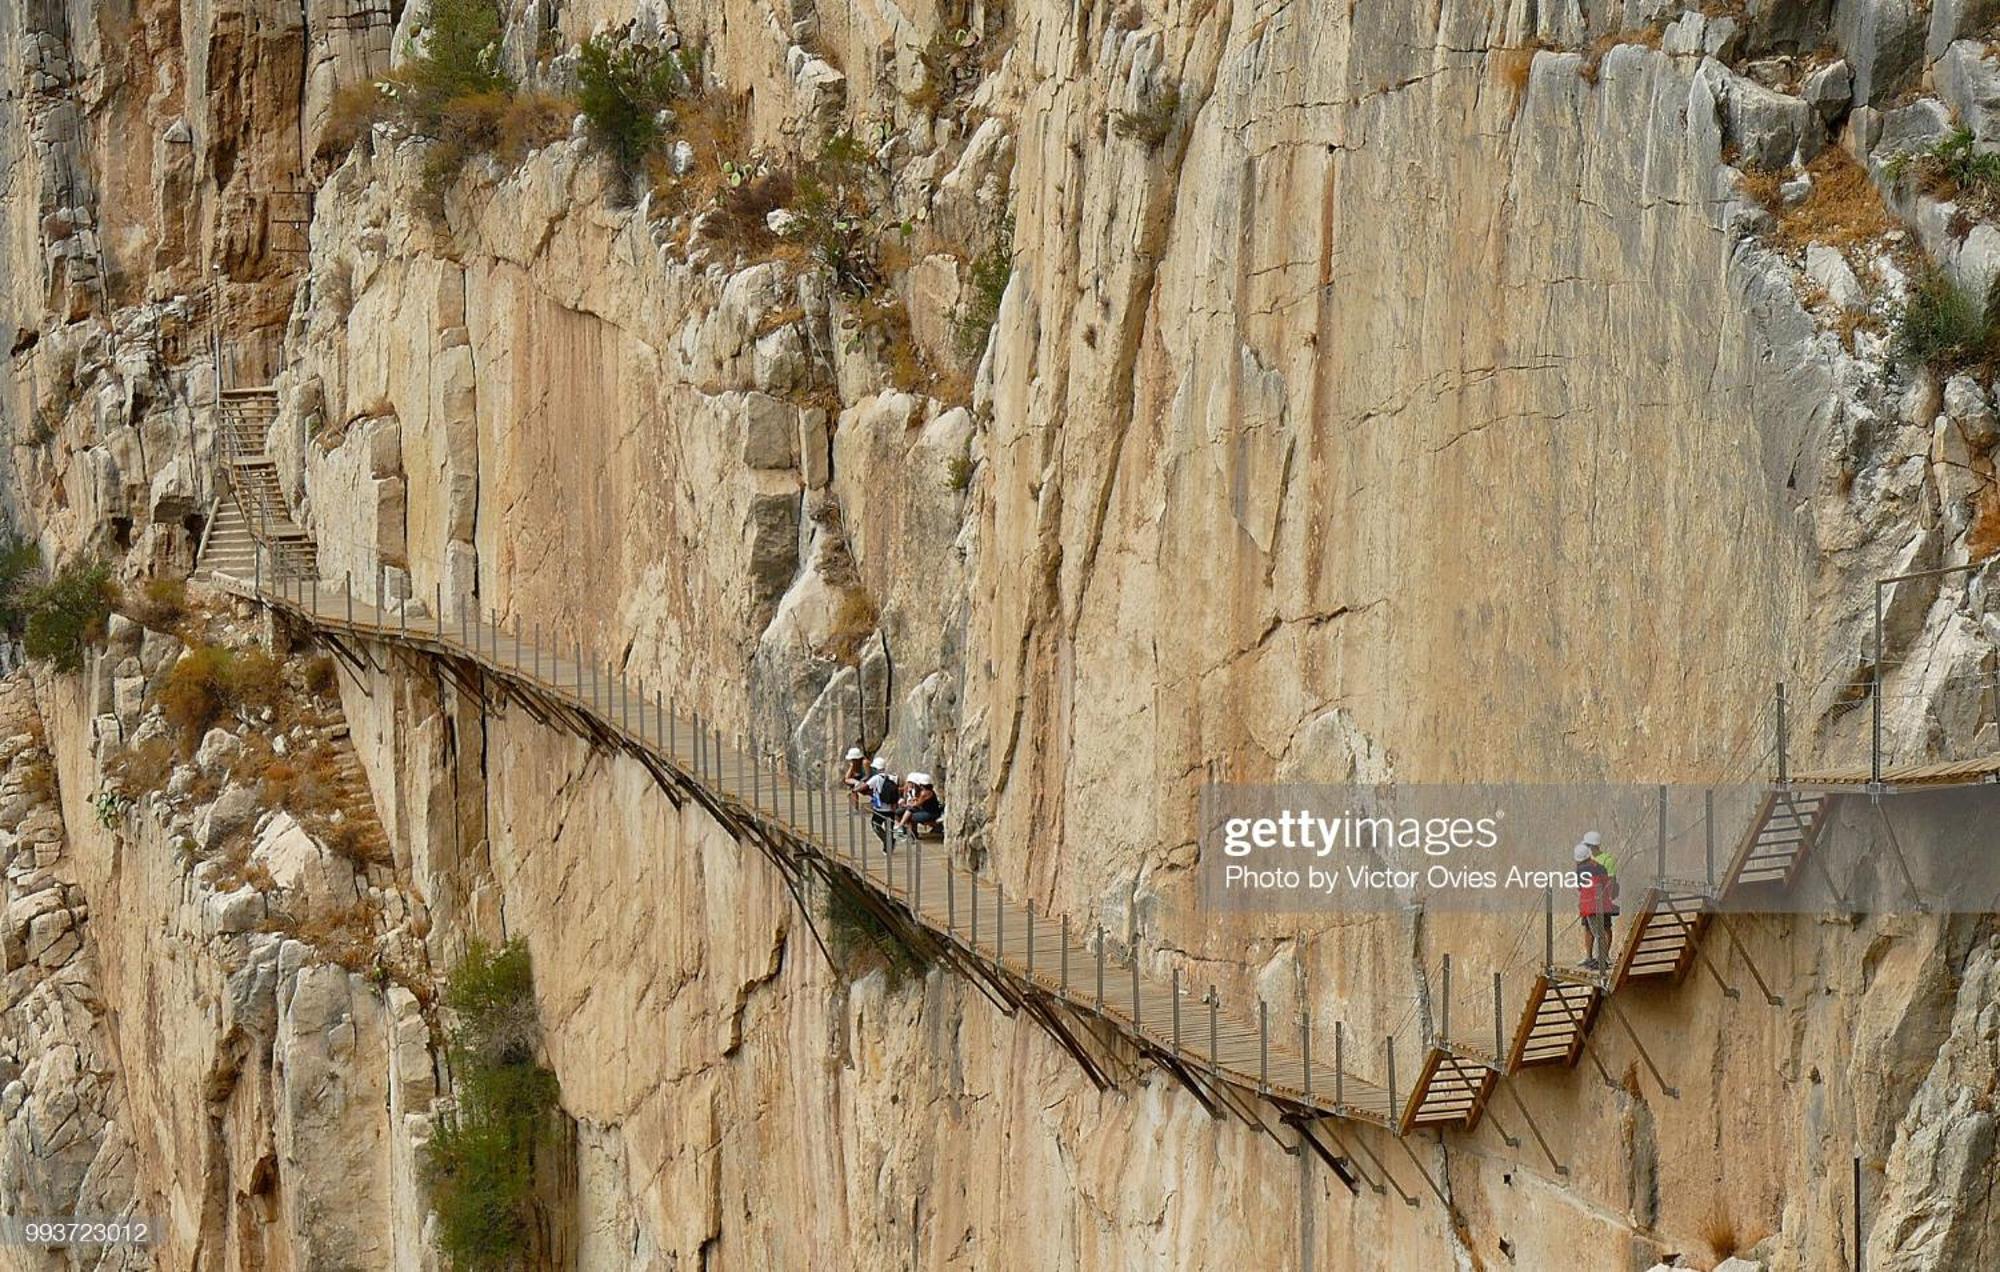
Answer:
(1969, 82)
(1829, 89)
(300, 864)
(769, 429)
(1830, 270)
(1769, 129)
(1952, 20)
(219, 747)
(1967, 405)
(1884, 40)
(1911, 127)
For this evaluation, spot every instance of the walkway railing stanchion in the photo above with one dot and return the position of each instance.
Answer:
(1135, 981)
(1065, 958)
(350, 598)
(1660, 873)
(1339, 1065)
(1784, 747)
(917, 895)
(1031, 937)
(1176, 992)
(1100, 967)
(437, 609)
(1395, 1119)
(1708, 836)
(1214, 1031)
(1444, 1005)
(999, 922)
(1263, 1047)
(1548, 927)
(1499, 1044)
(975, 909)
(1306, 1050)
(381, 588)
(950, 898)
(257, 569)
(756, 777)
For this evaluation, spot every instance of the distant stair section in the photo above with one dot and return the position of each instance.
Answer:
(252, 531)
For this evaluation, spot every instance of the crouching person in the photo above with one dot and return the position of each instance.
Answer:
(923, 811)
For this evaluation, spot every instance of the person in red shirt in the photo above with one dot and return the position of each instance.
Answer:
(1594, 904)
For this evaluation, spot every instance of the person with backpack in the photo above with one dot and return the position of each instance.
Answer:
(1594, 906)
(884, 793)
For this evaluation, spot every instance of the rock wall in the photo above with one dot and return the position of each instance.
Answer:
(1378, 391)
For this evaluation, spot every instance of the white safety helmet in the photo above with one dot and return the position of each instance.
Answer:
(1592, 839)
(879, 764)
(854, 753)
(920, 779)
(1582, 853)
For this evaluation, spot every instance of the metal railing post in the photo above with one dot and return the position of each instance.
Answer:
(1395, 1114)
(1176, 988)
(1263, 1047)
(1135, 983)
(1339, 1064)
(1875, 694)
(1708, 836)
(1660, 871)
(1499, 1046)
(950, 899)
(1031, 936)
(1065, 957)
(350, 596)
(437, 609)
(1548, 927)
(1306, 1050)
(1214, 1031)
(1784, 742)
(1444, 1005)
(1100, 967)
(975, 909)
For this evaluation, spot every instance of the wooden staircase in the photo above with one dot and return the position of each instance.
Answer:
(1786, 828)
(256, 512)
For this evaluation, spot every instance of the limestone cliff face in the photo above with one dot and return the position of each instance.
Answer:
(1379, 390)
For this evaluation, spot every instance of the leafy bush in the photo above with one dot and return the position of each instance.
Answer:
(322, 677)
(163, 604)
(454, 92)
(622, 87)
(991, 271)
(67, 615)
(1945, 327)
(1952, 168)
(1155, 118)
(480, 1164)
(209, 681)
(859, 942)
(460, 58)
(958, 474)
(20, 562)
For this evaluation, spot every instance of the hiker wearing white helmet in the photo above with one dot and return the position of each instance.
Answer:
(882, 788)
(856, 768)
(1602, 856)
(1593, 905)
(923, 811)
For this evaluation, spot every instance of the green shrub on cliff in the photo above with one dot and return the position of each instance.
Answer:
(481, 1161)
(66, 616)
(20, 561)
(622, 87)
(1945, 327)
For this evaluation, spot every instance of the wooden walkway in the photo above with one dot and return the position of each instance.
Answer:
(1107, 1009)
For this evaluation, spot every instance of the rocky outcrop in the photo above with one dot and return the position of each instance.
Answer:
(1370, 391)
